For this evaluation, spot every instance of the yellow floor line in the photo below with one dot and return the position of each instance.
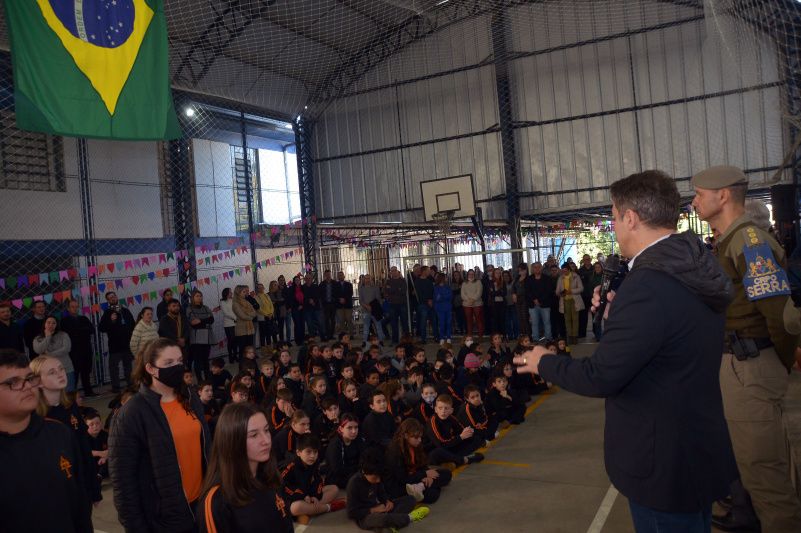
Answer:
(503, 432)
(505, 463)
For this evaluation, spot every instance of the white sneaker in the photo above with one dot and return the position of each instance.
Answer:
(449, 341)
(442, 342)
(416, 491)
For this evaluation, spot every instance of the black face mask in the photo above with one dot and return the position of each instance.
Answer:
(172, 376)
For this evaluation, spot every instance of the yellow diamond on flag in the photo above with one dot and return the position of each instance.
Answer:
(103, 38)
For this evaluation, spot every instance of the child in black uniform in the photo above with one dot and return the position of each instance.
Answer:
(378, 427)
(312, 401)
(287, 439)
(325, 425)
(280, 411)
(304, 485)
(294, 382)
(472, 413)
(344, 451)
(368, 502)
(501, 405)
(408, 466)
(450, 441)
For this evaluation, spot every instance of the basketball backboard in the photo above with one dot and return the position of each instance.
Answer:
(448, 194)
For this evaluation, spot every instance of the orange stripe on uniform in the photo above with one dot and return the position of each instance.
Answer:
(211, 527)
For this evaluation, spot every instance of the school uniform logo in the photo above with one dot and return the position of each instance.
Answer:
(764, 277)
(65, 466)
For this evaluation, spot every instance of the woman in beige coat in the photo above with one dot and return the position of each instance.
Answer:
(569, 288)
(245, 313)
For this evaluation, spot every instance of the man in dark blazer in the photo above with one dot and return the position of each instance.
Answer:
(667, 446)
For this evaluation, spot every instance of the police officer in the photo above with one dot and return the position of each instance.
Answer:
(754, 373)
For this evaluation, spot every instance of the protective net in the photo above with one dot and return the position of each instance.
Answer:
(314, 121)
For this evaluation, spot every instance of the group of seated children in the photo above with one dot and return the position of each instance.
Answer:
(389, 430)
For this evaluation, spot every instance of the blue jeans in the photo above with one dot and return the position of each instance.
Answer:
(312, 318)
(536, 314)
(397, 312)
(367, 319)
(512, 322)
(444, 323)
(648, 520)
(424, 315)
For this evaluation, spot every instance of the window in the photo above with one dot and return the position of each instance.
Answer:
(29, 161)
(278, 173)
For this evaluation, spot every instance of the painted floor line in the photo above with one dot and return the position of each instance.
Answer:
(505, 463)
(503, 432)
(603, 511)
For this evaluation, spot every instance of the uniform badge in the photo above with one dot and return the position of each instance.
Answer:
(764, 277)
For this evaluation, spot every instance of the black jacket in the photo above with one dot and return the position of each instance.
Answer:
(31, 329)
(11, 337)
(300, 480)
(342, 462)
(43, 481)
(267, 511)
(542, 289)
(378, 428)
(311, 296)
(80, 330)
(119, 331)
(346, 293)
(71, 418)
(666, 442)
(143, 466)
(363, 496)
(334, 292)
(168, 327)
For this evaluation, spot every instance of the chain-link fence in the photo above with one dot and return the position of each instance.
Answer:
(82, 217)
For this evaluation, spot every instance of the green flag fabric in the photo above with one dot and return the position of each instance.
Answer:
(92, 68)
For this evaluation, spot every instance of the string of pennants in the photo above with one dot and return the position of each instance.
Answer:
(73, 274)
(148, 296)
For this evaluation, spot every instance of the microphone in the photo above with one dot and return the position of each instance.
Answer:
(611, 271)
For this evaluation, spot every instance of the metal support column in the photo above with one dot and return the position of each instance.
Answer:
(500, 28)
(180, 175)
(303, 147)
(90, 254)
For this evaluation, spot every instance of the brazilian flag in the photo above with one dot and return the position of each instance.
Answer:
(92, 68)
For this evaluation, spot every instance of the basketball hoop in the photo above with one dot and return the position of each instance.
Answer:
(443, 220)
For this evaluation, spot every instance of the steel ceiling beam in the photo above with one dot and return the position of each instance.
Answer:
(349, 4)
(230, 21)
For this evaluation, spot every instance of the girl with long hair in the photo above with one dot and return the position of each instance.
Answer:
(54, 403)
(408, 466)
(158, 445)
(287, 438)
(242, 489)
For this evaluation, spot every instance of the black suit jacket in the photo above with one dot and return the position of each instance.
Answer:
(666, 443)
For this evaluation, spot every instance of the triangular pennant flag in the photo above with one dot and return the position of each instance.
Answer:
(63, 275)
(48, 297)
(96, 308)
(137, 263)
(22, 281)
(59, 296)
(135, 279)
(118, 284)
(65, 294)
(119, 265)
(101, 287)
(27, 302)
(138, 298)
(151, 276)
(17, 303)
(153, 296)
(128, 265)
(110, 267)
(145, 261)
(145, 296)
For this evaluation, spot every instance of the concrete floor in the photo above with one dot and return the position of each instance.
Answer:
(546, 475)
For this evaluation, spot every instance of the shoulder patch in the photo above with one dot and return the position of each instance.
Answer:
(764, 275)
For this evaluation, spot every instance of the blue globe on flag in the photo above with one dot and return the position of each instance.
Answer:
(104, 23)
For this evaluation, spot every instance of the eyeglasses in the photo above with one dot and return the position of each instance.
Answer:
(17, 384)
